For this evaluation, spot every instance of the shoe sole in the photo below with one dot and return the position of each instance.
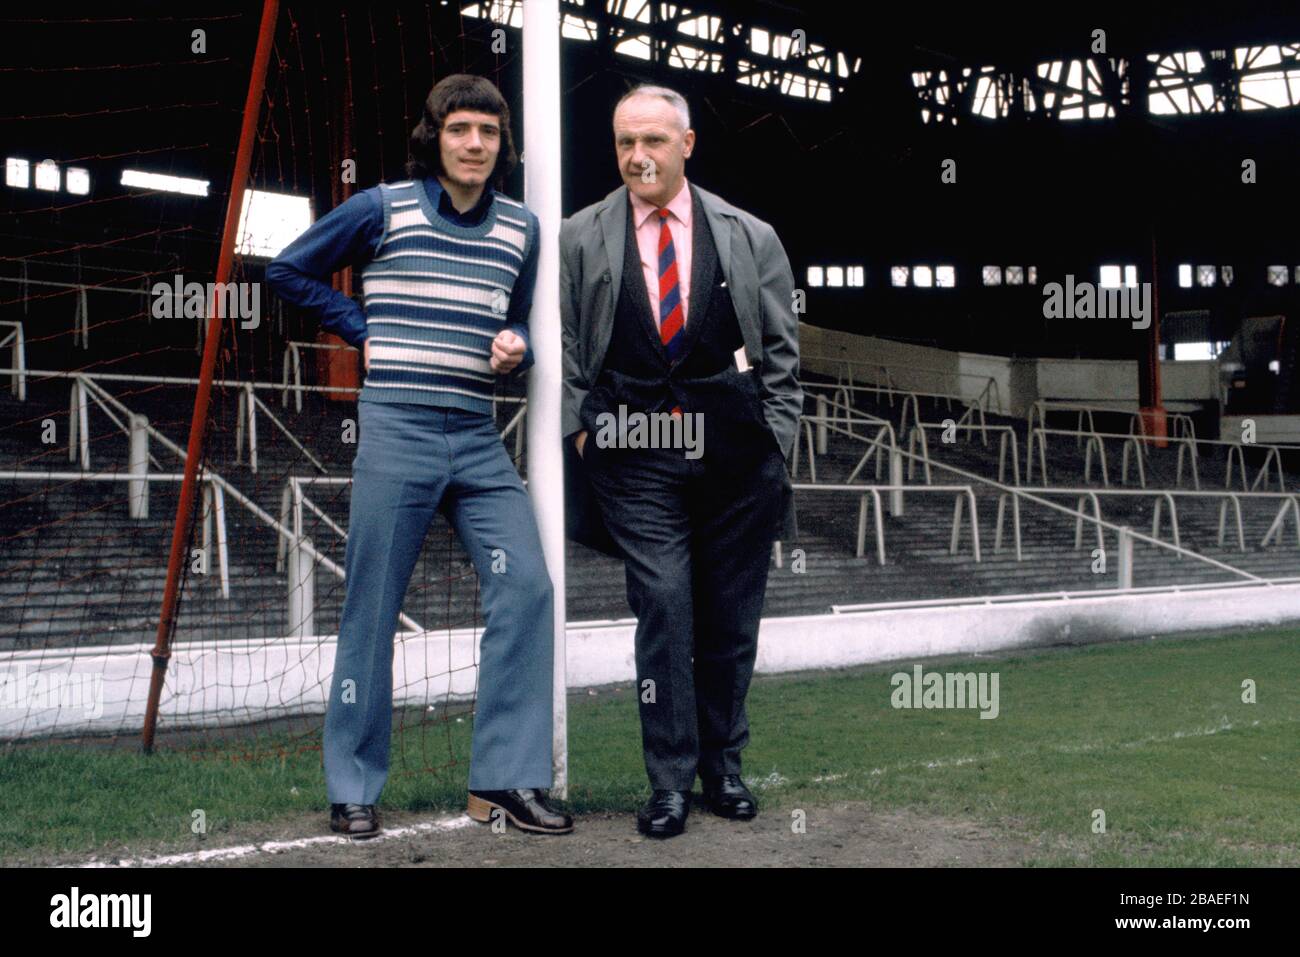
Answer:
(659, 835)
(731, 817)
(357, 835)
(481, 811)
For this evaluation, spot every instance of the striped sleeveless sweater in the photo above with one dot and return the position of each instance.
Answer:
(436, 295)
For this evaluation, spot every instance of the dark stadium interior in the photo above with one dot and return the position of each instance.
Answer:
(855, 180)
(1029, 188)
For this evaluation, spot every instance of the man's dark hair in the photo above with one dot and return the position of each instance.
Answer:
(460, 91)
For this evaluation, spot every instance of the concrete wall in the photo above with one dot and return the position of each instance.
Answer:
(1020, 382)
(1117, 379)
(914, 367)
(208, 682)
(1283, 429)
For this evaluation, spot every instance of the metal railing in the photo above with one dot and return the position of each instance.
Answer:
(845, 375)
(246, 425)
(987, 600)
(1182, 424)
(214, 504)
(1100, 523)
(1162, 498)
(911, 399)
(1008, 448)
(1092, 441)
(303, 555)
(291, 545)
(293, 503)
(516, 424)
(17, 358)
(963, 493)
(1013, 494)
(826, 423)
(293, 361)
(876, 446)
(289, 538)
(249, 405)
(1124, 533)
(1139, 445)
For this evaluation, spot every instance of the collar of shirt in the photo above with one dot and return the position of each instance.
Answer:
(441, 201)
(679, 206)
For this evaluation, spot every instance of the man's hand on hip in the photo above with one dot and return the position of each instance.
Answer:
(507, 351)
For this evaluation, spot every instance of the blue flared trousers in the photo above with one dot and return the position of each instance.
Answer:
(412, 460)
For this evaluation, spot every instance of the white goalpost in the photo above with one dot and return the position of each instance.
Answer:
(542, 168)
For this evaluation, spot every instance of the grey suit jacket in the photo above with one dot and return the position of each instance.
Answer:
(758, 277)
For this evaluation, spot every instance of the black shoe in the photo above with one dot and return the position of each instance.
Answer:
(359, 821)
(526, 808)
(665, 814)
(727, 796)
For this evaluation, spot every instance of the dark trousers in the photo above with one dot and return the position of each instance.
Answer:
(698, 542)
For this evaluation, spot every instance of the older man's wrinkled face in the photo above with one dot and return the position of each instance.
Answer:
(652, 147)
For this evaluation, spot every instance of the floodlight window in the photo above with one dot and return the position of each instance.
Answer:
(17, 173)
(47, 175)
(161, 181)
(270, 221)
(78, 180)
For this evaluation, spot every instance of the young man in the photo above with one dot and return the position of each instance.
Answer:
(448, 266)
(674, 302)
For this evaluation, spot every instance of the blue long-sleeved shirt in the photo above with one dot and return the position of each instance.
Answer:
(350, 235)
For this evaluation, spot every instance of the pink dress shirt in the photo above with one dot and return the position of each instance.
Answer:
(645, 223)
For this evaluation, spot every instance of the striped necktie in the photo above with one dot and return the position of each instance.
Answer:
(670, 296)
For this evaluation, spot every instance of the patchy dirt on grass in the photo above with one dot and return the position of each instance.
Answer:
(840, 834)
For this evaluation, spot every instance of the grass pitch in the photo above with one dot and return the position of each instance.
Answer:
(1154, 734)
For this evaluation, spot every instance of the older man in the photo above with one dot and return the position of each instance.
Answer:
(677, 306)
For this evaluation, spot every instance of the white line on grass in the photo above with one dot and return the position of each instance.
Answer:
(278, 847)
(1223, 725)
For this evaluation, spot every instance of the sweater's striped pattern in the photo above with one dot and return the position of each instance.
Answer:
(436, 295)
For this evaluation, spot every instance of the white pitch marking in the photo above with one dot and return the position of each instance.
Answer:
(278, 847)
(1223, 725)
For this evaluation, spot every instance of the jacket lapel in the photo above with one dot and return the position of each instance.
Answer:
(740, 274)
(703, 266)
(738, 271)
(613, 228)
